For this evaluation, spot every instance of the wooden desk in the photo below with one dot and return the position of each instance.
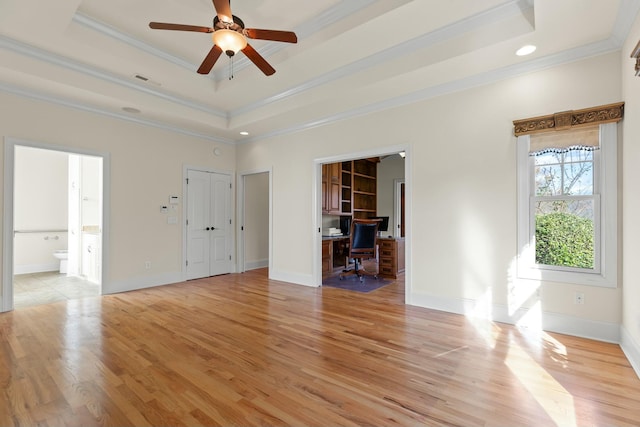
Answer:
(335, 251)
(389, 259)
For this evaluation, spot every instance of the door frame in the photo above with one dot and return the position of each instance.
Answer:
(397, 205)
(232, 214)
(6, 303)
(241, 219)
(317, 206)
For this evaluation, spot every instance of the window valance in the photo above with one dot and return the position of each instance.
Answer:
(570, 119)
(582, 138)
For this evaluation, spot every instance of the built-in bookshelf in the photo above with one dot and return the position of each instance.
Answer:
(365, 173)
(346, 196)
(352, 183)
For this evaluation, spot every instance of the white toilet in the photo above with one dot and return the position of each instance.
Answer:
(62, 255)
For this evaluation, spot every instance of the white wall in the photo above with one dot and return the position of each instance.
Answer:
(146, 167)
(463, 194)
(40, 203)
(256, 220)
(631, 202)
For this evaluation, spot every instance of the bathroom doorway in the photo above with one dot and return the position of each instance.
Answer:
(57, 223)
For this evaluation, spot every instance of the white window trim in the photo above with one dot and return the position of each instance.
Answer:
(607, 240)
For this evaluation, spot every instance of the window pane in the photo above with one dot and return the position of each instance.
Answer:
(548, 180)
(578, 156)
(565, 233)
(578, 178)
(548, 158)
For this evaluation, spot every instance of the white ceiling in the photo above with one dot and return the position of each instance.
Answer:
(352, 57)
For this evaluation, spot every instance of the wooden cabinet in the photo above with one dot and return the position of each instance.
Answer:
(331, 188)
(326, 259)
(350, 188)
(390, 257)
(334, 256)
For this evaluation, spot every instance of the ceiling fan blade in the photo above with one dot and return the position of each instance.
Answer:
(257, 59)
(210, 60)
(223, 10)
(273, 35)
(179, 27)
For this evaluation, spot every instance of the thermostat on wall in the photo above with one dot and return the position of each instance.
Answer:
(174, 200)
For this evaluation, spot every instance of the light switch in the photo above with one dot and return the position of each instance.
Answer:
(172, 220)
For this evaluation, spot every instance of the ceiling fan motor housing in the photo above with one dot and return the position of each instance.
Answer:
(236, 25)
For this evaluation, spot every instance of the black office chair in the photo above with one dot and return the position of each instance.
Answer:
(362, 245)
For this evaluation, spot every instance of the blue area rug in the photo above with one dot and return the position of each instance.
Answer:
(352, 283)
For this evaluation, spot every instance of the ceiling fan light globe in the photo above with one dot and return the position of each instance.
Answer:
(229, 40)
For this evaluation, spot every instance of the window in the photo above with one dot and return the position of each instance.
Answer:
(567, 205)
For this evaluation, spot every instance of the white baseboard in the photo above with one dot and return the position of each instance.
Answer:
(631, 349)
(546, 321)
(298, 279)
(36, 268)
(135, 283)
(253, 265)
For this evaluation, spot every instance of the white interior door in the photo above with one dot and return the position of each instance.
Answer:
(220, 225)
(208, 224)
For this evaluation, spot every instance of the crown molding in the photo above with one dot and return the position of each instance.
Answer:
(61, 61)
(15, 90)
(448, 32)
(116, 34)
(489, 77)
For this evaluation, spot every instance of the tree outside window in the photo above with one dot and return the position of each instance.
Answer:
(564, 207)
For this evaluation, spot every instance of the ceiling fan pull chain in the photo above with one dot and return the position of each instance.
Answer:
(231, 68)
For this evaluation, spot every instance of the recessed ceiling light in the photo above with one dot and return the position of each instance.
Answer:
(131, 110)
(244, 133)
(526, 50)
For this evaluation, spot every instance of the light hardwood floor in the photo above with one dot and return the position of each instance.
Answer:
(242, 350)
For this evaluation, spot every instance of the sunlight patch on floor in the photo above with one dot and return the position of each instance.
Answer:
(557, 402)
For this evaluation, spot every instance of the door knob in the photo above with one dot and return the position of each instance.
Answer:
(207, 228)
(213, 228)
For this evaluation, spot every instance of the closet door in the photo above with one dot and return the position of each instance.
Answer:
(208, 224)
(220, 225)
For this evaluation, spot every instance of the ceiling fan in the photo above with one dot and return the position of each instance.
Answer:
(230, 36)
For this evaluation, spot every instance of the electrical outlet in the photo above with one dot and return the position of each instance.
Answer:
(147, 265)
(579, 298)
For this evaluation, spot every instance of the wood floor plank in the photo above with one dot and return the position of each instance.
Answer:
(244, 350)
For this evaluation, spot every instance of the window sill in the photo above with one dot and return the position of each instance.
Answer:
(577, 278)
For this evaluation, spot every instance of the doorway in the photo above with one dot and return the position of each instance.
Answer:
(399, 208)
(386, 205)
(54, 222)
(208, 224)
(254, 195)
